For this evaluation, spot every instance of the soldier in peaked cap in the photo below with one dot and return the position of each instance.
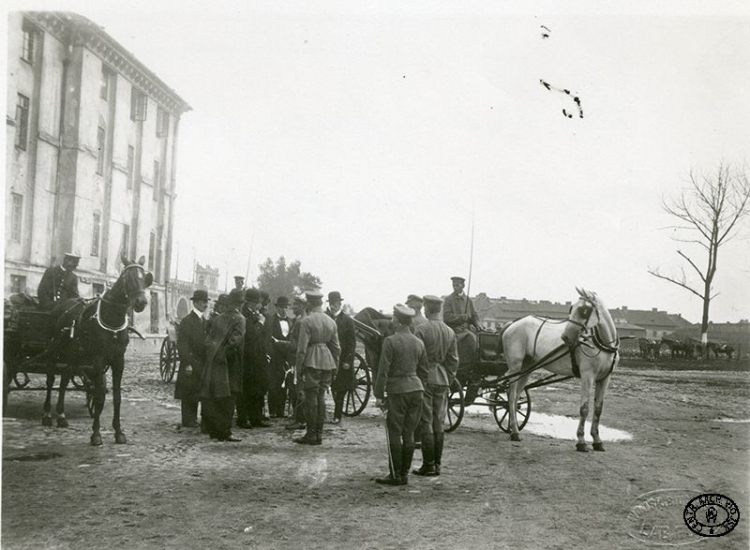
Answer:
(296, 393)
(402, 359)
(460, 315)
(442, 359)
(318, 352)
(239, 282)
(191, 346)
(59, 282)
(415, 302)
(344, 380)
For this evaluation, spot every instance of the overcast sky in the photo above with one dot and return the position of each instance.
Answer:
(363, 141)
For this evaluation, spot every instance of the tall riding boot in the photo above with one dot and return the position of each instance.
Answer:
(428, 456)
(396, 466)
(439, 439)
(407, 454)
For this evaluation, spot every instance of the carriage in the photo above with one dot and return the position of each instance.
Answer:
(168, 355)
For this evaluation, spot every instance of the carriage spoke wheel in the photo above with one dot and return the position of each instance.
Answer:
(501, 410)
(167, 359)
(23, 382)
(456, 407)
(357, 397)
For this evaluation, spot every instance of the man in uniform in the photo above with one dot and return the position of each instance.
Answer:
(59, 282)
(415, 302)
(191, 345)
(344, 380)
(459, 314)
(318, 352)
(255, 373)
(239, 282)
(221, 382)
(278, 335)
(442, 359)
(402, 358)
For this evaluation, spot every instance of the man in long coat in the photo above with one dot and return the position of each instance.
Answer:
(191, 346)
(221, 382)
(278, 335)
(254, 365)
(59, 282)
(344, 380)
(318, 352)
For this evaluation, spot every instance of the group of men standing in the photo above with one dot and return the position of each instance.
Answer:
(241, 354)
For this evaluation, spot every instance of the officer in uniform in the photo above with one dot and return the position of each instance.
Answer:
(402, 360)
(239, 282)
(318, 352)
(59, 282)
(191, 345)
(415, 302)
(442, 359)
(460, 315)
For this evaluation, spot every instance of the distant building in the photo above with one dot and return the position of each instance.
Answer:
(179, 292)
(91, 157)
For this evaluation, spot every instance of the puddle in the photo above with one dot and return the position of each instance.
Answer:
(33, 457)
(733, 420)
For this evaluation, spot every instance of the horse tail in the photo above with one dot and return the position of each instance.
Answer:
(502, 330)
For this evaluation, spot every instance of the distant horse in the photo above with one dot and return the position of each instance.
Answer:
(586, 342)
(720, 349)
(95, 333)
(679, 348)
(650, 349)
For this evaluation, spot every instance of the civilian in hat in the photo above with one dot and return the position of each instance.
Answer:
(442, 360)
(460, 315)
(344, 379)
(221, 382)
(278, 332)
(295, 391)
(254, 359)
(59, 282)
(318, 352)
(415, 302)
(191, 346)
(239, 282)
(402, 360)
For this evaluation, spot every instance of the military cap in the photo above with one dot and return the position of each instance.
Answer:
(239, 278)
(400, 310)
(414, 298)
(200, 295)
(71, 256)
(236, 297)
(281, 301)
(431, 298)
(299, 300)
(223, 300)
(312, 294)
(252, 295)
(334, 296)
(458, 280)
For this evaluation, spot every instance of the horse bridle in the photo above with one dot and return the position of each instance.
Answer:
(592, 308)
(97, 314)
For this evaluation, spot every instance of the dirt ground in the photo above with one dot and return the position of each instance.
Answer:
(174, 488)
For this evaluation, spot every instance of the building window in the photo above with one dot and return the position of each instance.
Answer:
(98, 288)
(22, 121)
(104, 88)
(131, 164)
(27, 51)
(157, 175)
(17, 283)
(96, 228)
(138, 104)
(100, 138)
(151, 251)
(162, 122)
(125, 243)
(16, 217)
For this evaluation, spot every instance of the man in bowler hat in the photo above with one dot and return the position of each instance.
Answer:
(191, 346)
(278, 335)
(344, 379)
(254, 359)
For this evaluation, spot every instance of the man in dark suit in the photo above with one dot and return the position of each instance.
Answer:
(191, 345)
(344, 380)
(278, 342)
(255, 373)
(59, 282)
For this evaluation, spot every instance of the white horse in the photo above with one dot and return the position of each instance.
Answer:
(586, 341)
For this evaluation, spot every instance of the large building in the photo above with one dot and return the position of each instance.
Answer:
(91, 157)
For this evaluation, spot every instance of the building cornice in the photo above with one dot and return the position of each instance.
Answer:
(75, 30)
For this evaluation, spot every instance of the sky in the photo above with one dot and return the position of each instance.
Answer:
(391, 145)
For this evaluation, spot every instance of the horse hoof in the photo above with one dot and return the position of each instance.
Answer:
(599, 447)
(582, 448)
(62, 423)
(46, 421)
(120, 438)
(96, 440)
(515, 437)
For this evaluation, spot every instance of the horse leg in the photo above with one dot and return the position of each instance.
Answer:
(118, 366)
(599, 390)
(99, 382)
(513, 389)
(586, 383)
(47, 417)
(62, 422)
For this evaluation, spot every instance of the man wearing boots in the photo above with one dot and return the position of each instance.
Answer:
(442, 358)
(318, 352)
(296, 393)
(344, 380)
(402, 357)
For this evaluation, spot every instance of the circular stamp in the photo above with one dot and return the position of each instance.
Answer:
(711, 515)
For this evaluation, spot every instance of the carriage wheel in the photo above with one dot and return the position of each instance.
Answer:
(501, 411)
(455, 407)
(359, 395)
(78, 382)
(21, 383)
(167, 360)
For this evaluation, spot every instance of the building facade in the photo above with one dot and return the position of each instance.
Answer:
(91, 158)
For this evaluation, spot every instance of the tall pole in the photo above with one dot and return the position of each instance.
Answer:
(249, 255)
(471, 260)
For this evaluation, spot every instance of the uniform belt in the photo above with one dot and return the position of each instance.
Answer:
(317, 344)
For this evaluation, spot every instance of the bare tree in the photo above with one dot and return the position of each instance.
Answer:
(710, 211)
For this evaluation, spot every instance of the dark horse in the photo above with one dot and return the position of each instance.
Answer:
(93, 334)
